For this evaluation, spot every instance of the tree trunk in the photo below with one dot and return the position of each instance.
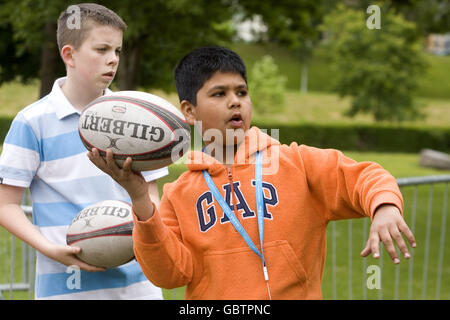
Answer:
(304, 77)
(49, 59)
(127, 76)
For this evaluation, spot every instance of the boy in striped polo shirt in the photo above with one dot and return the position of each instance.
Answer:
(43, 151)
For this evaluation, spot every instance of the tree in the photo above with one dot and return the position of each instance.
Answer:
(162, 31)
(267, 86)
(31, 41)
(293, 24)
(159, 33)
(378, 68)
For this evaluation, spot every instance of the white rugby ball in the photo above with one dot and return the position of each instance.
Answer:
(135, 124)
(103, 231)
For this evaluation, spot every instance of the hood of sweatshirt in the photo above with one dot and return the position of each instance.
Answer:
(255, 140)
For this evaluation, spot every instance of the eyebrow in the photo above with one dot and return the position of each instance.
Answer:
(107, 45)
(220, 87)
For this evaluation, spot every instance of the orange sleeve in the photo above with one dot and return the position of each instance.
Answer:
(159, 250)
(344, 188)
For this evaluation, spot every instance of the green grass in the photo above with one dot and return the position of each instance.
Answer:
(15, 96)
(435, 82)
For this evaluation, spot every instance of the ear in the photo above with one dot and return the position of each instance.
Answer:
(189, 111)
(67, 55)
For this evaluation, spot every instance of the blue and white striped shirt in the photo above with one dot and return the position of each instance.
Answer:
(43, 151)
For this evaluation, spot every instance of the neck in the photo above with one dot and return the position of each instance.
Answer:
(79, 95)
(224, 154)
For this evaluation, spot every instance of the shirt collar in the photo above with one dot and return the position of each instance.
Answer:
(62, 106)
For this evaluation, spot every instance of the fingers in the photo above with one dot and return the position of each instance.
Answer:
(390, 238)
(67, 255)
(127, 165)
(366, 251)
(96, 159)
(87, 267)
(375, 245)
(111, 163)
(108, 164)
(386, 237)
(408, 234)
(73, 260)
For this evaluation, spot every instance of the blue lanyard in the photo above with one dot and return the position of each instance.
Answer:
(259, 206)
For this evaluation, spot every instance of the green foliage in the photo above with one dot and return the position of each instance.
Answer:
(378, 68)
(165, 30)
(162, 30)
(267, 86)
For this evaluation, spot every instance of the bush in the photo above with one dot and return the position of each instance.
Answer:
(378, 138)
(267, 86)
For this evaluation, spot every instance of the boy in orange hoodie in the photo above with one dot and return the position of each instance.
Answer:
(248, 219)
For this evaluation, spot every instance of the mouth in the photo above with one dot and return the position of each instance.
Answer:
(236, 120)
(108, 75)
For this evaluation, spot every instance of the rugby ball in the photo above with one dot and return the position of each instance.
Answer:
(103, 231)
(135, 124)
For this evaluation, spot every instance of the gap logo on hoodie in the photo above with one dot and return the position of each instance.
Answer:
(206, 205)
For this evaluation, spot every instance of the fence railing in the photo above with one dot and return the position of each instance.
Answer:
(426, 275)
(17, 264)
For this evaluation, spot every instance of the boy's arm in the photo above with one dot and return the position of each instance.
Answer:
(349, 189)
(161, 254)
(158, 247)
(153, 192)
(13, 219)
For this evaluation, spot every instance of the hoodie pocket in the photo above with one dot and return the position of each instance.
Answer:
(237, 274)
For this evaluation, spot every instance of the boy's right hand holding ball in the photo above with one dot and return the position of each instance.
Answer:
(133, 182)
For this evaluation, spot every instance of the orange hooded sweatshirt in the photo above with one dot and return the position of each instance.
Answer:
(189, 241)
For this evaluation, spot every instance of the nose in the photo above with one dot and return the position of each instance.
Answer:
(234, 101)
(113, 59)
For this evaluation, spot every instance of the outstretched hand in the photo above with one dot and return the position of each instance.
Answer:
(388, 226)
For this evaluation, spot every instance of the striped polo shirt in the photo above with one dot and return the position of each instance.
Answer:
(43, 151)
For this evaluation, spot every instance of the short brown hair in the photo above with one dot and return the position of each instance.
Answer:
(68, 33)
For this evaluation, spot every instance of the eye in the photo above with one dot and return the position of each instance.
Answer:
(118, 51)
(242, 92)
(101, 49)
(218, 94)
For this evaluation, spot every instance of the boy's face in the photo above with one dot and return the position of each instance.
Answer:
(95, 62)
(223, 103)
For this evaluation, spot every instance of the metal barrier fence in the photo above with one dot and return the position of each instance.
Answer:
(426, 275)
(17, 261)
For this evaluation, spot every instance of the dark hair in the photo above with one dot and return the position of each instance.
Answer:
(199, 65)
